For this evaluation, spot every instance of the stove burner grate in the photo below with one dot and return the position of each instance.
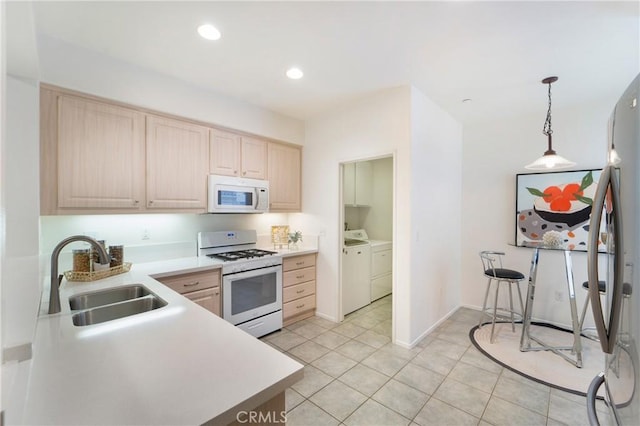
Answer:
(242, 254)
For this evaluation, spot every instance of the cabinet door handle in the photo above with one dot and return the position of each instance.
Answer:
(299, 263)
(192, 284)
(136, 202)
(299, 277)
(217, 293)
(300, 291)
(300, 306)
(244, 173)
(150, 202)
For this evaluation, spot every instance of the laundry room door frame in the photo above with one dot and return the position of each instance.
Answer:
(341, 215)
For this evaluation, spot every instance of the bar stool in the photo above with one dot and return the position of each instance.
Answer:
(602, 289)
(493, 269)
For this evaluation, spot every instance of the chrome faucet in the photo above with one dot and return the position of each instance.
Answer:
(54, 292)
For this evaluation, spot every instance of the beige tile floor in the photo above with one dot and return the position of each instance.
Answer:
(354, 375)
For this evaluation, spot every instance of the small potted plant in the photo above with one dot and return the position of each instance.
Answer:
(294, 237)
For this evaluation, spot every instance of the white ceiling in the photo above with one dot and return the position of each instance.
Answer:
(495, 53)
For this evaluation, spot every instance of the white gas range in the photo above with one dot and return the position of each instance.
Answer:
(251, 280)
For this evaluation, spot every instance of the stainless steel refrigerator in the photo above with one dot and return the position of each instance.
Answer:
(615, 221)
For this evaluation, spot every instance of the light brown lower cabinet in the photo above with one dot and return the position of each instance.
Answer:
(208, 298)
(298, 288)
(202, 288)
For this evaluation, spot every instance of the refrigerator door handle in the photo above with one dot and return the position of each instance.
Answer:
(619, 263)
(591, 399)
(597, 208)
(608, 184)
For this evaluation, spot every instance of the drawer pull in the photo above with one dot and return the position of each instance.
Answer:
(300, 306)
(299, 277)
(300, 263)
(192, 284)
(300, 291)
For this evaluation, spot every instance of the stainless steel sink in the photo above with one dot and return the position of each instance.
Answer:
(113, 303)
(107, 297)
(118, 310)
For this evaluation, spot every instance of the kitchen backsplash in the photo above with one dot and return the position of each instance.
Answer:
(151, 237)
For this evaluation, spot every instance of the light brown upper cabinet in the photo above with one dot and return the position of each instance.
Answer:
(284, 177)
(235, 155)
(357, 189)
(103, 157)
(177, 164)
(95, 152)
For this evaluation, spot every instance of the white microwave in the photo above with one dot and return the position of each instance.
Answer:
(228, 194)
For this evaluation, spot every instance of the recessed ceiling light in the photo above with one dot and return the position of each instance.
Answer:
(209, 32)
(294, 73)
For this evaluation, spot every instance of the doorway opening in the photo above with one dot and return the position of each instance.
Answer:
(367, 235)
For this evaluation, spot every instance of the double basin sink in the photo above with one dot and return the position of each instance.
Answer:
(105, 305)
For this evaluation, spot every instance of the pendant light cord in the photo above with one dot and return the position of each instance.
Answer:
(550, 159)
(546, 130)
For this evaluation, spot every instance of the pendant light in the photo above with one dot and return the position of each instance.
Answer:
(549, 160)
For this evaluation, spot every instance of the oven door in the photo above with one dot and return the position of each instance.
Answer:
(251, 294)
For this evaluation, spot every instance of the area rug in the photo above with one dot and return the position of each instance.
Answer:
(541, 366)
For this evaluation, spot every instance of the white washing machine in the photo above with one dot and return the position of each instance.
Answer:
(381, 265)
(356, 274)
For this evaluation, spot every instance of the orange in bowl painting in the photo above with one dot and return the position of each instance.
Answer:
(565, 203)
(557, 201)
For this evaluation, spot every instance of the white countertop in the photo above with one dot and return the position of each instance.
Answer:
(179, 364)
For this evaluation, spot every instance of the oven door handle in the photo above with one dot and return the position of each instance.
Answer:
(252, 272)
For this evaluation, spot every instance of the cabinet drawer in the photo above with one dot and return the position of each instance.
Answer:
(298, 276)
(297, 291)
(296, 262)
(381, 262)
(185, 283)
(209, 298)
(295, 307)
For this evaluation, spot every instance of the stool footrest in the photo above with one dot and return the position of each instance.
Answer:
(502, 314)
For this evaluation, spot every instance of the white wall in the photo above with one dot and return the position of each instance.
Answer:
(379, 124)
(436, 184)
(75, 68)
(20, 184)
(493, 154)
(374, 126)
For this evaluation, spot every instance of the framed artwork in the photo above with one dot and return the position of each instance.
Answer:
(555, 207)
(280, 235)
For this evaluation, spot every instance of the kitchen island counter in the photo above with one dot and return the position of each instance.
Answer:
(178, 364)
